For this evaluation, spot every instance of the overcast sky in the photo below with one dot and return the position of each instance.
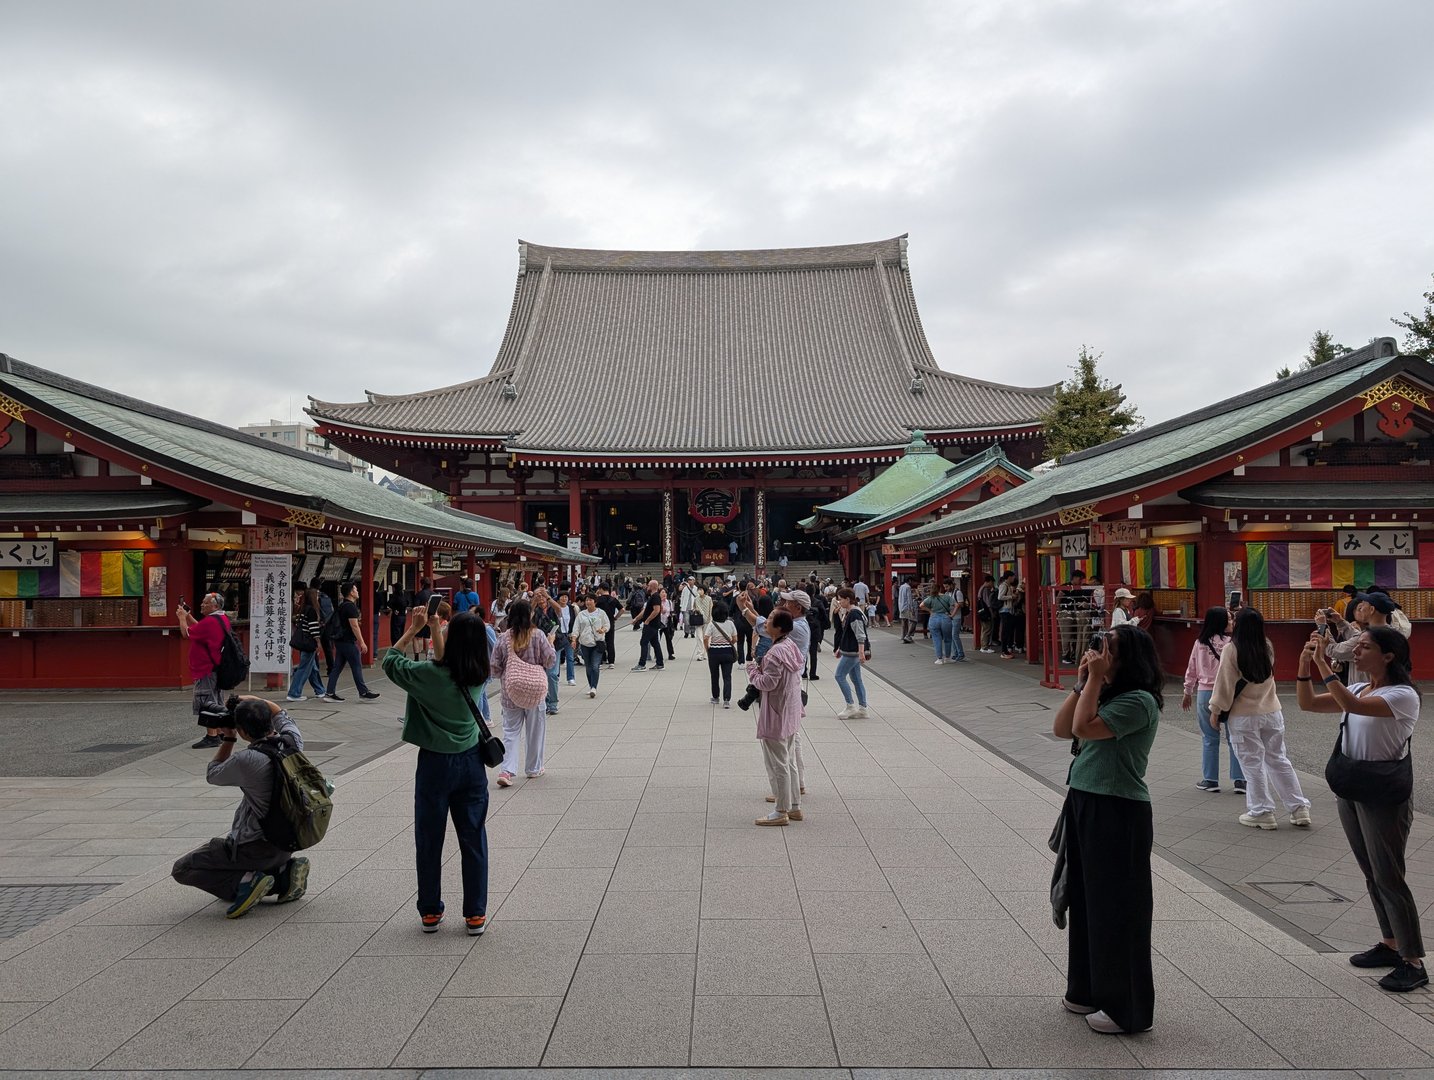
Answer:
(226, 207)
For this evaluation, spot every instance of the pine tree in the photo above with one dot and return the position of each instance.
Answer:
(1419, 330)
(1088, 410)
(1323, 349)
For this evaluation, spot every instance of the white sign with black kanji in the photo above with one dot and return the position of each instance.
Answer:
(271, 600)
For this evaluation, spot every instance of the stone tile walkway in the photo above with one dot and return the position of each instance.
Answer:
(1305, 881)
(641, 921)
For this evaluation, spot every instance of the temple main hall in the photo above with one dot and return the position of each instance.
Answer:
(662, 406)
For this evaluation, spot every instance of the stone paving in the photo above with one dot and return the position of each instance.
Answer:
(1304, 881)
(641, 921)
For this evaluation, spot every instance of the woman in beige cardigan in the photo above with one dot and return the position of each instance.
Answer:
(1257, 724)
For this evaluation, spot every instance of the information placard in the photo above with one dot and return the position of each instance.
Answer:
(270, 602)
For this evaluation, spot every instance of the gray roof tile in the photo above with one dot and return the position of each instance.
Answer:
(650, 340)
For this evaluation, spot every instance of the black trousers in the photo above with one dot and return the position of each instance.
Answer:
(719, 663)
(1379, 837)
(220, 865)
(1112, 903)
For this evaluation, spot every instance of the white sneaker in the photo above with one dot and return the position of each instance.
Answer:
(847, 713)
(860, 714)
(572, 682)
(1099, 1021)
(940, 662)
(1260, 821)
(1300, 817)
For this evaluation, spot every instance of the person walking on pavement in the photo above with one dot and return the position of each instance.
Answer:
(609, 605)
(649, 622)
(1108, 828)
(1245, 688)
(449, 779)
(906, 610)
(306, 636)
(1200, 674)
(206, 636)
(590, 631)
(1379, 720)
(347, 634)
(939, 627)
(851, 651)
(687, 603)
(523, 640)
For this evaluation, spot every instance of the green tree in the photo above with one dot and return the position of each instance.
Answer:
(1419, 330)
(1323, 349)
(1087, 410)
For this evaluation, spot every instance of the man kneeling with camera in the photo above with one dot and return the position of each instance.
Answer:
(244, 867)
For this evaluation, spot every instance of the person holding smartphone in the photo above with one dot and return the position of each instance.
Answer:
(1109, 829)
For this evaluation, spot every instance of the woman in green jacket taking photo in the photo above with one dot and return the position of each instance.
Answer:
(450, 778)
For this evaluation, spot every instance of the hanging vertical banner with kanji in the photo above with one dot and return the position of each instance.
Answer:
(270, 602)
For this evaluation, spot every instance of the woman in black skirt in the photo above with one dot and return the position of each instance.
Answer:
(1109, 831)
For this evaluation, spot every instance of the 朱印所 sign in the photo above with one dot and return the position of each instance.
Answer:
(272, 538)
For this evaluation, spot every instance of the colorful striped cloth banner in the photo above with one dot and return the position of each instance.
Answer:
(78, 574)
(1314, 566)
(1171, 567)
(1058, 571)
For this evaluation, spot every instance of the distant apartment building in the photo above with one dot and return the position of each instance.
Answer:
(303, 437)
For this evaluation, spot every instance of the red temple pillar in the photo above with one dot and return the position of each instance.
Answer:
(366, 597)
(1034, 655)
(575, 506)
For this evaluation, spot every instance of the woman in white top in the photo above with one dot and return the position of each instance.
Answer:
(590, 631)
(719, 640)
(1379, 719)
(1257, 724)
(1124, 599)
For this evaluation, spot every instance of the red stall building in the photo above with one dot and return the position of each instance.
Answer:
(114, 510)
(1282, 495)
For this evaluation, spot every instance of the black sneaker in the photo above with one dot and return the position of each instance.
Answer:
(209, 742)
(1208, 785)
(369, 695)
(1404, 978)
(1239, 787)
(331, 697)
(1379, 956)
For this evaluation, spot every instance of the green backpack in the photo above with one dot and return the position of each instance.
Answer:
(299, 807)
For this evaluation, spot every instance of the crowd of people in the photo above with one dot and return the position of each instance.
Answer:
(1356, 664)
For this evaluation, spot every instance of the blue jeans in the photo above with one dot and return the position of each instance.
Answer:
(849, 668)
(346, 653)
(939, 627)
(553, 687)
(306, 671)
(565, 655)
(453, 785)
(592, 662)
(1210, 758)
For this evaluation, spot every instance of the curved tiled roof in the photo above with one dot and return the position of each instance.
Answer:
(235, 461)
(1178, 446)
(785, 340)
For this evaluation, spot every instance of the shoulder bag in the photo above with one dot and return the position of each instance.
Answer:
(1374, 783)
(1225, 713)
(489, 749)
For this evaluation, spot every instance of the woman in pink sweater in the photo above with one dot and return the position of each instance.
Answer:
(779, 677)
(1200, 675)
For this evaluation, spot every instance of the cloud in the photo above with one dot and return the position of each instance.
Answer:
(229, 207)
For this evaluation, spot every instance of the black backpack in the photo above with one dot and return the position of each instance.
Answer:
(233, 666)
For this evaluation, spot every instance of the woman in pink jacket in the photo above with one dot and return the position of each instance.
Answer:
(1200, 675)
(779, 677)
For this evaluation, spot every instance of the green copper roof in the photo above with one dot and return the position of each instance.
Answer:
(1180, 445)
(957, 477)
(233, 461)
(917, 469)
